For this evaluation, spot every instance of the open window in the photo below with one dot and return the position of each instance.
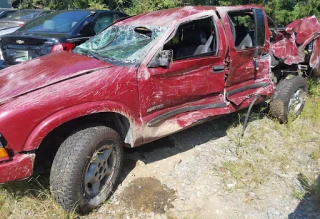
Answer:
(243, 28)
(248, 28)
(193, 39)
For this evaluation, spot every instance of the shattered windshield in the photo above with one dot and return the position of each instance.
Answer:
(124, 44)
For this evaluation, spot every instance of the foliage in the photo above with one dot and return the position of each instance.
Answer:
(140, 6)
(281, 11)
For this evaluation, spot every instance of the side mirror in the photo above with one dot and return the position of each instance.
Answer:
(162, 59)
(165, 58)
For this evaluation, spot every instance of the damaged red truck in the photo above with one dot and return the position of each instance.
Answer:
(141, 79)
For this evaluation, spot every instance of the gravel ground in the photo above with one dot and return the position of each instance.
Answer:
(183, 176)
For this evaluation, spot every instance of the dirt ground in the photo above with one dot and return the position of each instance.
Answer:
(202, 172)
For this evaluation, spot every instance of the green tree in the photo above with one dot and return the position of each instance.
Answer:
(281, 11)
(140, 6)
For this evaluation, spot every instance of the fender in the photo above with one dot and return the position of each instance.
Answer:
(68, 114)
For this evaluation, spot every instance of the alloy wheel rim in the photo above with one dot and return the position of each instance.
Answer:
(296, 101)
(99, 170)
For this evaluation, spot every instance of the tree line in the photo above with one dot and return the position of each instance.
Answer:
(281, 11)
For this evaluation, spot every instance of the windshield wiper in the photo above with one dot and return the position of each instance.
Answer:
(95, 55)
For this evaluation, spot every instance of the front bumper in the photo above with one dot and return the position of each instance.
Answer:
(20, 167)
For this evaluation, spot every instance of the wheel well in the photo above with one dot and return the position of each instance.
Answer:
(51, 143)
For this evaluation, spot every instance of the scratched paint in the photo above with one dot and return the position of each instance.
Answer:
(315, 57)
(60, 87)
(20, 167)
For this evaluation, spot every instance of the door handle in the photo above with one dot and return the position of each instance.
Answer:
(217, 68)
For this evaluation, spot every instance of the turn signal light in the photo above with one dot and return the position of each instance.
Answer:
(3, 154)
(62, 47)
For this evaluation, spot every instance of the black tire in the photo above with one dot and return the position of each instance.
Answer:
(289, 98)
(82, 154)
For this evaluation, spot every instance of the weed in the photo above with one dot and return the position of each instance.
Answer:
(30, 199)
(298, 193)
(315, 155)
(310, 185)
(314, 86)
(249, 174)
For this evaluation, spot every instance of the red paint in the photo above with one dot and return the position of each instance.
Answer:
(63, 47)
(20, 167)
(315, 57)
(39, 95)
(290, 44)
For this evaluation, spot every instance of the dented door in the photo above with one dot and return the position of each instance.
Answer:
(249, 66)
(190, 80)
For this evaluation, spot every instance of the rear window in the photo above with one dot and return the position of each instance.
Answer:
(24, 15)
(57, 22)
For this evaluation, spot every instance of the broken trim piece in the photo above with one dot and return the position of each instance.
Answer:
(169, 114)
(248, 87)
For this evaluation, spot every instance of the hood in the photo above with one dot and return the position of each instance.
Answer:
(35, 74)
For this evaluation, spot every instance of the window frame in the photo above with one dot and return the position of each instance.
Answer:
(212, 53)
(244, 12)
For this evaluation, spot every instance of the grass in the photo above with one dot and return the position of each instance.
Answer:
(270, 149)
(30, 199)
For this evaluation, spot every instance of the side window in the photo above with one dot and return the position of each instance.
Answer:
(243, 28)
(196, 38)
(103, 22)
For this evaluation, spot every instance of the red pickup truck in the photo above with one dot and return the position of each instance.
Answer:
(141, 79)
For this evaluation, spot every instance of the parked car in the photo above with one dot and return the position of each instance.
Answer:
(20, 17)
(60, 30)
(141, 79)
(5, 12)
(17, 19)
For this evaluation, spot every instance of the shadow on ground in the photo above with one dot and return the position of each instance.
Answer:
(187, 139)
(177, 143)
(309, 206)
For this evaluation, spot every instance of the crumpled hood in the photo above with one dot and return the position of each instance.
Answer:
(290, 44)
(44, 71)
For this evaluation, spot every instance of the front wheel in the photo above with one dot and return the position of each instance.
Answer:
(289, 98)
(86, 168)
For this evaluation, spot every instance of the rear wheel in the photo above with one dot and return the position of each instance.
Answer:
(289, 98)
(86, 168)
